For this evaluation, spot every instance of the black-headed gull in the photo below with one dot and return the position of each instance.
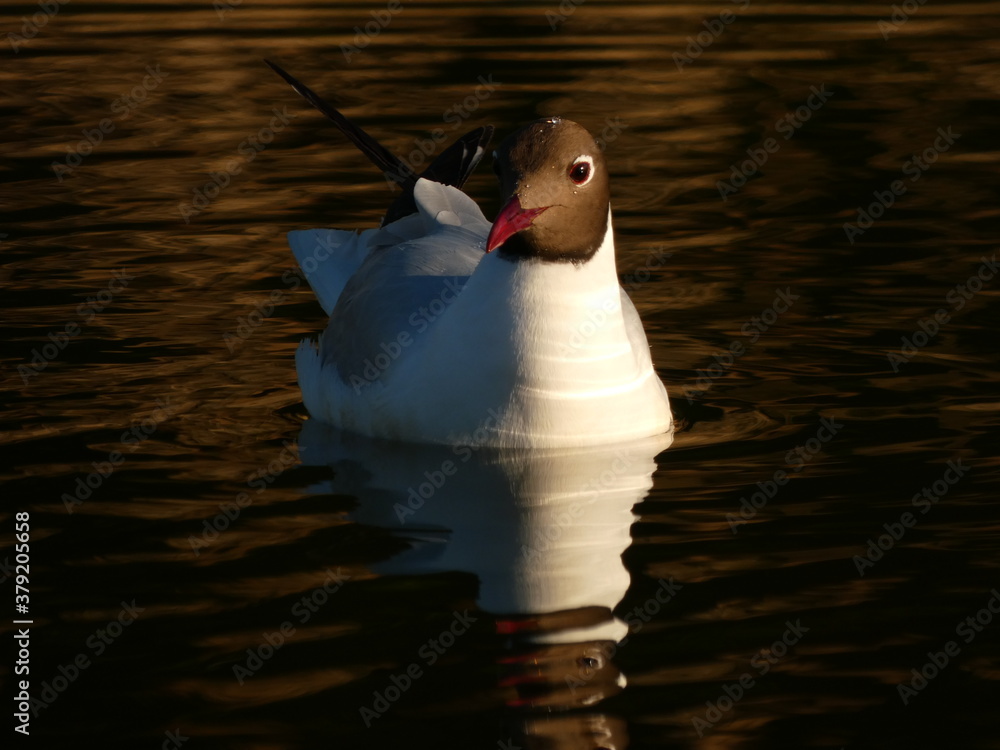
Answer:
(447, 329)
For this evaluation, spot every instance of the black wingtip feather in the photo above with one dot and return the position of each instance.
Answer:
(451, 167)
(455, 164)
(380, 156)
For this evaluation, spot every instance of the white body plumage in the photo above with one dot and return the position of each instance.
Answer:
(433, 340)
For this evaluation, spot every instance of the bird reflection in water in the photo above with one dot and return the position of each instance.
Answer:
(544, 533)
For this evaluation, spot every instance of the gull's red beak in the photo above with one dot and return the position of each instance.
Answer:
(511, 220)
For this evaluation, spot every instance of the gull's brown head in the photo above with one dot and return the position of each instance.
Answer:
(554, 185)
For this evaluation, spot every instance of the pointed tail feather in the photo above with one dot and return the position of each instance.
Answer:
(328, 258)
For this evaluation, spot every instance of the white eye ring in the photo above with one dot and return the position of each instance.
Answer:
(582, 159)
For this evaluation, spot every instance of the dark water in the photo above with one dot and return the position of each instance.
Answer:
(418, 597)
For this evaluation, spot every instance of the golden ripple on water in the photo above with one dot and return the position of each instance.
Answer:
(266, 689)
(233, 409)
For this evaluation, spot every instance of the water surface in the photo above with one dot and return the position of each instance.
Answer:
(727, 591)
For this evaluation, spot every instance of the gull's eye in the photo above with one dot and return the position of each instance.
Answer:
(581, 171)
